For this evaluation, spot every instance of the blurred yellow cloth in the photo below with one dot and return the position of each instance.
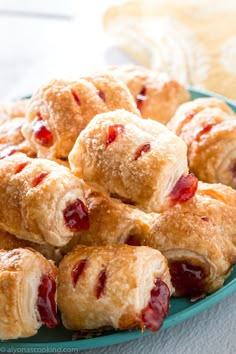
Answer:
(195, 41)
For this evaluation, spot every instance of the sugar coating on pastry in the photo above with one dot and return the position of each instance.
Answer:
(157, 95)
(113, 286)
(60, 110)
(27, 293)
(41, 201)
(11, 110)
(139, 161)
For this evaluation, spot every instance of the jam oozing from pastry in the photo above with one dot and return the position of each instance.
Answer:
(141, 97)
(76, 216)
(102, 278)
(46, 303)
(153, 314)
(76, 97)
(205, 218)
(187, 279)
(41, 133)
(142, 149)
(184, 189)
(77, 270)
(102, 95)
(8, 152)
(20, 167)
(133, 240)
(203, 131)
(113, 132)
(39, 178)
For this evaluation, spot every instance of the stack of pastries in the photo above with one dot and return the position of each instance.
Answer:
(100, 215)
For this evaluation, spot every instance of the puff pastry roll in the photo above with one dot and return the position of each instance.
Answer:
(157, 95)
(11, 110)
(27, 293)
(139, 161)
(198, 239)
(41, 201)
(60, 110)
(115, 286)
(12, 140)
(208, 126)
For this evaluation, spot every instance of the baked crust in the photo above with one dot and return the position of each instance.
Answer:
(66, 107)
(208, 127)
(20, 276)
(156, 94)
(32, 208)
(130, 274)
(145, 179)
(11, 110)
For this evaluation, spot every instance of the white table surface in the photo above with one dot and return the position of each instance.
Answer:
(34, 49)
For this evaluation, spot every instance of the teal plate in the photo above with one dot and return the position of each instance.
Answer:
(59, 339)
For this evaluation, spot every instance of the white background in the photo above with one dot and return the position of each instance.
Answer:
(36, 46)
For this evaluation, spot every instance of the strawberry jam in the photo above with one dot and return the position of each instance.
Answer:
(141, 97)
(39, 178)
(142, 149)
(203, 131)
(8, 152)
(187, 279)
(76, 97)
(184, 189)
(102, 95)
(102, 278)
(20, 167)
(77, 270)
(133, 240)
(113, 132)
(76, 216)
(41, 133)
(153, 314)
(46, 303)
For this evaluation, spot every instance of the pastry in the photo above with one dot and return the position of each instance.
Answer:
(60, 110)
(12, 140)
(27, 293)
(115, 286)
(208, 126)
(138, 161)
(157, 95)
(198, 239)
(11, 110)
(41, 201)
(9, 242)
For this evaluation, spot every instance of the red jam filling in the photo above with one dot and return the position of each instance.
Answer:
(76, 216)
(76, 97)
(113, 132)
(46, 302)
(41, 132)
(205, 218)
(184, 189)
(39, 178)
(157, 308)
(77, 270)
(141, 97)
(142, 149)
(203, 131)
(101, 284)
(8, 152)
(102, 95)
(20, 167)
(233, 170)
(133, 240)
(187, 279)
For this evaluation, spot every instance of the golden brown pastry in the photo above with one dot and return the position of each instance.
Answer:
(139, 161)
(27, 293)
(60, 110)
(198, 239)
(12, 140)
(40, 201)
(208, 126)
(14, 109)
(117, 286)
(9, 242)
(157, 95)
